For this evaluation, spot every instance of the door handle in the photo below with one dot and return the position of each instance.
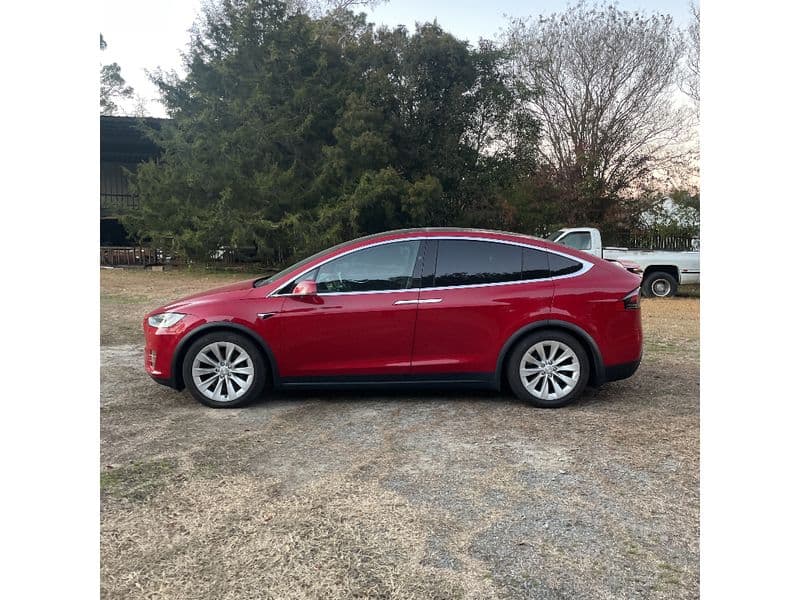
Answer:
(425, 301)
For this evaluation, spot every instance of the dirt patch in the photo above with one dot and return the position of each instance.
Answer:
(379, 495)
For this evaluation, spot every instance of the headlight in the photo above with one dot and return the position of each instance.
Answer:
(164, 320)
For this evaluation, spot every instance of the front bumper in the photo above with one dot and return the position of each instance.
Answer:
(160, 345)
(169, 381)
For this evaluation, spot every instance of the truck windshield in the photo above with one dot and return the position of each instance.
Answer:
(552, 237)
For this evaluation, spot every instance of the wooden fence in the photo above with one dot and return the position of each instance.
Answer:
(650, 241)
(143, 256)
(130, 256)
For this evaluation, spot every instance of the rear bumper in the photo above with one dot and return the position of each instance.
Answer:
(623, 371)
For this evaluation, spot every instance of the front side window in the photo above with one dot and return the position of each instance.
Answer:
(580, 240)
(379, 268)
(469, 262)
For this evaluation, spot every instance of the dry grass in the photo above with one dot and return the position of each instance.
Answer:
(128, 294)
(239, 538)
(438, 495)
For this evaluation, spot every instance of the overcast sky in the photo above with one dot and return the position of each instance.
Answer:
(145, 34)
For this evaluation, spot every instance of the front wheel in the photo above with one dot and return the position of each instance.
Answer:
(660, 285)
(549, 369)
(224, 370)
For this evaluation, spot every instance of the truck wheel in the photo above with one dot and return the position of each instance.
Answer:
(659, 285)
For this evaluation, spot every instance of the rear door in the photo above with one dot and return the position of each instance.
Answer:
(361, 323)
(474, 295)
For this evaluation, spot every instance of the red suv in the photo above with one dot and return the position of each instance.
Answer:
(417, 307)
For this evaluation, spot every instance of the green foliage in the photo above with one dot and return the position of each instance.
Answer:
(678, 214)
(290, 133)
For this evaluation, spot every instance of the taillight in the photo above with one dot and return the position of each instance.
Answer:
(631, 301)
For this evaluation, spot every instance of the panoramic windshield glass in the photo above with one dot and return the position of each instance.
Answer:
(552, 237)
(297, 265)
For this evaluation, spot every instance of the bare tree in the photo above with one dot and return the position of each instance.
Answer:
(690, 83)
(140, 106)
(604, 82)
(112, 85)
(320, 7)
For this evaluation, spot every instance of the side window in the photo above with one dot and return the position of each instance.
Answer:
(534, 264)
(580, 240)
(379, 268)
(561, 265)
(468, 262)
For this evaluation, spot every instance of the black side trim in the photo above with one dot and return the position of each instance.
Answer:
(598, 371)
(183, 345)
(429, 266)
(418, 264)
(167, 381)
(623, 371)
(447, 380)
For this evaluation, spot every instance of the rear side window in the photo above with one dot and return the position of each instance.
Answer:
(535, 264)
(469, 262)
(561, 265)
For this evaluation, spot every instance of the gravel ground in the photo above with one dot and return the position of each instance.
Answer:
(397, 495)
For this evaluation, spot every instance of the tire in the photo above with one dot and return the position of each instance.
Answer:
(659, 284)
(234, 355)
(534, 350)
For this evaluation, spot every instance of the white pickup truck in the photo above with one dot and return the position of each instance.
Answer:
(663, 270)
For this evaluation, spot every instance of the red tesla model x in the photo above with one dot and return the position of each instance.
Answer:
(417, 307)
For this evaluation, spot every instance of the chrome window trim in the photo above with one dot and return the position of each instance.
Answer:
(586, 266)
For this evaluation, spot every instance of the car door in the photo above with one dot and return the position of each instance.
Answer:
(360, 324)
(475, 294)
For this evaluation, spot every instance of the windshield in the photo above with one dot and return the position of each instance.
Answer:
(552, 237)
(297, 265)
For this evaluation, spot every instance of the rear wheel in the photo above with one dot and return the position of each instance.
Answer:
(224, 370)
(549, 369)
(660, 285)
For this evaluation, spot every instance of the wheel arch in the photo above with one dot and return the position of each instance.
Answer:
(213, 327)
(669, 269)
(597, 369)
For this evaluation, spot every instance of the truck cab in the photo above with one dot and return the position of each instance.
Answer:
(580, 238)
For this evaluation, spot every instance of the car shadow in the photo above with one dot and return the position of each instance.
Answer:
(591, 396)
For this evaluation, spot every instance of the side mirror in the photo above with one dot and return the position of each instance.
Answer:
(305, 288)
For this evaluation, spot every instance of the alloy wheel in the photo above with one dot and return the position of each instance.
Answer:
(549, 370)
(223, 371)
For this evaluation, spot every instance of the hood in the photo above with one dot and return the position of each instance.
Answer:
(239, 289)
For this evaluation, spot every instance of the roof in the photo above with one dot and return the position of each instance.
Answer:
(123, 140)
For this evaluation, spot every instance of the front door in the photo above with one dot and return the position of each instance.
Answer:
(361, 322)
